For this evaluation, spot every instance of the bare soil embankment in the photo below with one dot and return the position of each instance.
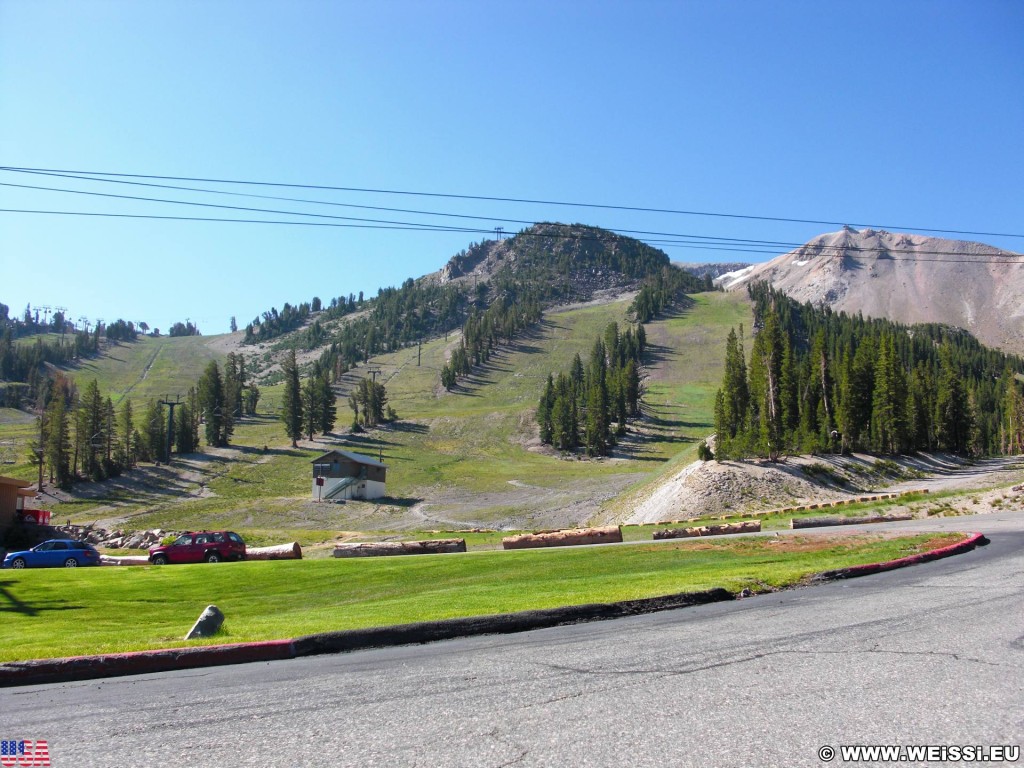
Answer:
(733, 487)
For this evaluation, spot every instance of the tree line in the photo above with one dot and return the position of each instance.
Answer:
(501, 322)
(309, 407)
(822, 381)
(578, 407)
(396, 318)
(84, 437)
(663, 290)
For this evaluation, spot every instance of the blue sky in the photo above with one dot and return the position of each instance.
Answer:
(906, 114)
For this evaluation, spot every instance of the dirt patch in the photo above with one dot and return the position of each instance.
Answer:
(733, 487)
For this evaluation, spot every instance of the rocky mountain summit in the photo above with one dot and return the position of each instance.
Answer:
(904, 277)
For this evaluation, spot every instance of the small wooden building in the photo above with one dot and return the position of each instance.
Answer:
(12, 499)
(340, 475)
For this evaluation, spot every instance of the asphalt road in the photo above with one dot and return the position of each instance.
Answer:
(932, 654)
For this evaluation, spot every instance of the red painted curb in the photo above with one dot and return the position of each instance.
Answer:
(140, 662)
(854, 571)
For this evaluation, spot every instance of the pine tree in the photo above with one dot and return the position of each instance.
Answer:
(858, 386)
(544, 407)
(1013, 418)
(186, 437)
(327, 410)
(57, 447)
(310, 407)
(766, 388)
(889, 400)
(733, 401)
(154, 437)
(215, 408)
(789, 396)
(91, 428)
(595, 433)
(632, 388)
(234, 384)
(291, 409)
(564, 424)
(126, 429)
(954, 421)
(921, 408)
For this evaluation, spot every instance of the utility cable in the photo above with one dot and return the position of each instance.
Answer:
(528, 201)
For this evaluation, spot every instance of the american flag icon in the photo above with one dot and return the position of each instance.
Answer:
(24, 753)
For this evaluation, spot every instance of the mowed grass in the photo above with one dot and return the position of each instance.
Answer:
(63, 612)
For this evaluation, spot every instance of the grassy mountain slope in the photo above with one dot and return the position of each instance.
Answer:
(461, 459)
(149, 367)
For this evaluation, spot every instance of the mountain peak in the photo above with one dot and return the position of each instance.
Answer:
(910, 278)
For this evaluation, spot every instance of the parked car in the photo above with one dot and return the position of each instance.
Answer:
(54, 553)
(199, 547)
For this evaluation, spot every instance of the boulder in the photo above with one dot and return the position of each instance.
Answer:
(208, 623)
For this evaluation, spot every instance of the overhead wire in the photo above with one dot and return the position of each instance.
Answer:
(491, 198)
(678, 239)
(670, 240)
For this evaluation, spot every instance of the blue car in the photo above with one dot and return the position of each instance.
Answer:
(55, 553)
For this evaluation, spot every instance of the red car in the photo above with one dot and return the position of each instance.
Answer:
(200, 547)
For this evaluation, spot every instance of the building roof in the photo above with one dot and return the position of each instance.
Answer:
(14, 482)
(356, 457)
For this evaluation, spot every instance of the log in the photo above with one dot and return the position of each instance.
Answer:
(820, 522)
(752, 526)
(291, 551)
(569, 537)
(126, 560)
(391, 548)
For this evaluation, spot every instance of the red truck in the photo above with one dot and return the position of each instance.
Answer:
(199, 547)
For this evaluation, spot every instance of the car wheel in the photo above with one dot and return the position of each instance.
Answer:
(213, 557)
(71, 563)
(159, 560)
(18, 562)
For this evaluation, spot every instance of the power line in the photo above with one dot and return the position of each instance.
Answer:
(690, 241)
(770, 246)
(410, 227)
(1004, 257)
(715, 239)
(694, 237)
(247, 209)
(679, 240)
(528, 201)
(275, 197)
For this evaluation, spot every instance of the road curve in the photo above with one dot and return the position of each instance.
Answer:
(932, 654)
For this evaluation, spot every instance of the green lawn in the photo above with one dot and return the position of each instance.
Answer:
(63, 612)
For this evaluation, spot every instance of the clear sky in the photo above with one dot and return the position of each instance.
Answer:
(899, 114)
